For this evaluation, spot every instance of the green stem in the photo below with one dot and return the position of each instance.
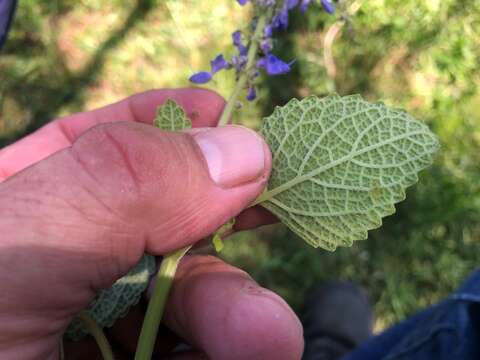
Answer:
(155, 308)
(167, 270)
(243, 78)
(258, 200)
(98, 334)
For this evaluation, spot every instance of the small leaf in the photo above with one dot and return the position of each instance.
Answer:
(217, 242)
(217, 238)
(170, 116)
(113, 303)
(340, 164)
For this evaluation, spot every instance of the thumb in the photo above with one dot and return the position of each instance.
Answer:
(87, 213)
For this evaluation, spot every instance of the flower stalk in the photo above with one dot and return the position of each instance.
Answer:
(156, 305)
(244, 76)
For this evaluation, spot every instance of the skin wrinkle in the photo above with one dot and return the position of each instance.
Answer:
(4, 174)
(114, 245)
(104, 136)
(18, 336)
(112, 269)
(130, 110)
(86, 216)
(65, 131)
(111, 265)
(84, 168)
(51, 223)
(42, 225)
(183, 224)
(125, 157)
(69, 204)
(10, 199)
(186, 217)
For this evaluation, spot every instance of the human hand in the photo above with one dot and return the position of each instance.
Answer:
(85, 196)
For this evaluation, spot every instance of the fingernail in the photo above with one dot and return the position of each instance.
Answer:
(235, 155)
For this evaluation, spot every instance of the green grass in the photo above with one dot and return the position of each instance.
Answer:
(66, 56)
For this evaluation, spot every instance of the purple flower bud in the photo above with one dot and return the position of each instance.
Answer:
(266, 46)
(268, 31)
(201, 77)
(328, 6)
(239, 62)
(218, 64)
(252, 93)
(237, 37)
(242, 2)
(237, 41)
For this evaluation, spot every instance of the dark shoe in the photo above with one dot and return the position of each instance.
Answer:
(337, 317)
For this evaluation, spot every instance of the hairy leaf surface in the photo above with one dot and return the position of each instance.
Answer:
(113, 303)
(340, 164)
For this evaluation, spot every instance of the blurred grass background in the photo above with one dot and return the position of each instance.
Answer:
(64, 56)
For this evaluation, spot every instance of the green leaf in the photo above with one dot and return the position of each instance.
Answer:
(170, 116)
(113, 303)
(217, 242)
(340, 164)
(217, 238)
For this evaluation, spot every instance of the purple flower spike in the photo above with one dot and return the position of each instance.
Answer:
(328, 6)
(242, 2)
(218, 64)
(252, 93)
(275, 66)
(201, 77)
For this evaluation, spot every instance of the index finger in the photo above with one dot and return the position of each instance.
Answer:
(220, 310)
(202, 106)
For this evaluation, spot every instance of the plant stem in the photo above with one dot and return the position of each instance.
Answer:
(168, 267)
(155, 308)
(243, 78)
(98, 334)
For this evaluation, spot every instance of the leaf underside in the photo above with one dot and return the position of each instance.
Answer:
(170, 116)
(113, 303)
(340, 164)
